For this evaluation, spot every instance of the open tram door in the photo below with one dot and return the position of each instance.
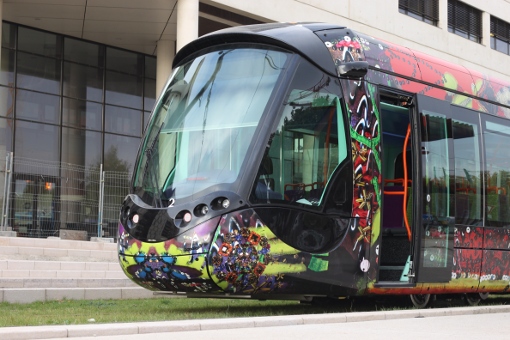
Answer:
(417, 223)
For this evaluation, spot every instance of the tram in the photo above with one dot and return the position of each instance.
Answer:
(296, 161)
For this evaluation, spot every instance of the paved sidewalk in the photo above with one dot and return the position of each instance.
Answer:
(498, 315)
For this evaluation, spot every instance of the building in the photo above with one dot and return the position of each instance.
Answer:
(79, 78)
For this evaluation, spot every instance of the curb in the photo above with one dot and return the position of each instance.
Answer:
(72, 331)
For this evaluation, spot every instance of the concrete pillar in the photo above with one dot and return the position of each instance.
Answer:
(187, 22)
(486, 29)
(165, 54)
(443, 15)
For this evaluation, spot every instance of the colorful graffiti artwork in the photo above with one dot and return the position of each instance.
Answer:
(414, 72)
(361, 100)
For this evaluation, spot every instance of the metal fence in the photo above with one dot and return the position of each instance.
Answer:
(41, 198)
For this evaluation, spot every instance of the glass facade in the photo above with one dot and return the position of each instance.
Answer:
(68, 100)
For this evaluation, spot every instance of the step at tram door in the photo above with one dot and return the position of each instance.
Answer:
(417, 224)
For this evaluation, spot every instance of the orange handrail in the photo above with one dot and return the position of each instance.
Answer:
(404, 205)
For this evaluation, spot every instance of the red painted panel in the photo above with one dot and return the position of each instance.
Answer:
(495, 267)
(497, 238)
(468, 237)
(467, 264)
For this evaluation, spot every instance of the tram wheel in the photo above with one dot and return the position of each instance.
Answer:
(421, 300)
(473, 299)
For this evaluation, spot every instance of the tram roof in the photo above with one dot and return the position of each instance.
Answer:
(405, 65)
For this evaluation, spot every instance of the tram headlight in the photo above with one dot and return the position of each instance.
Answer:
(220, 203)
(225, 203)
(201, 210)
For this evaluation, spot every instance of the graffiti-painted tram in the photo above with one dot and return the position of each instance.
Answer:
(309, 160)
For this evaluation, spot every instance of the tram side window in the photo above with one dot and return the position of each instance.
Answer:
(468, 175)
(497, 183)
(436, 169)
(308, 145)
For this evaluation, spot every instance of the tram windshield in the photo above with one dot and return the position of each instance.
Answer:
(202, 127)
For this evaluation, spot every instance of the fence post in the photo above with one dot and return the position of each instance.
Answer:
(7, 191)
(101, 202)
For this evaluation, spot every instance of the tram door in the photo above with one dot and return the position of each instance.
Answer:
(417, 223)
(35, 199)
(436, 207)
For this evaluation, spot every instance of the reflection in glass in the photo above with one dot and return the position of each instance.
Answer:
(82, 114)
(38, 106)
(123, 121)
(437, 211)
(39, 42)
(149, 98)
(120, 152)
(81, 147)
(124, 61)
(38, 73)
(83, 82)
(150, 67)
(468, 181)
(200, 133)
(124, 90)
(496, 141)
(6, 128)
(6, 101)
(7, 70)
(8, 35)
(83, 52)
(37, 141)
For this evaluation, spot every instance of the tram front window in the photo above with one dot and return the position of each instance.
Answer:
(308, 144)
(203, 124)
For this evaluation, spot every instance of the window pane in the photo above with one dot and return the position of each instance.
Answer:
(468, 174)
(120, 152)
(6, 127)
(83, 52)
(150, 67)
(149, 98)
(39, 42)
(82, 114)
(124, 90)
(83, 82)
(124, 61)
(501, 46)
(8, 35)
(38, 73)
(6, 101)
(307, 145)
(81, 147)
(123, 121)
(497, 139)
(38, 106)
(464, 20)
(37, 141)
(7, 74)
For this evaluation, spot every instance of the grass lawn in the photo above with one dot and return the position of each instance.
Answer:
(158, 309)
(68, 312)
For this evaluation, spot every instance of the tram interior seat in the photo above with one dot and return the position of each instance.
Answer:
(266, 184)
(298, 192)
